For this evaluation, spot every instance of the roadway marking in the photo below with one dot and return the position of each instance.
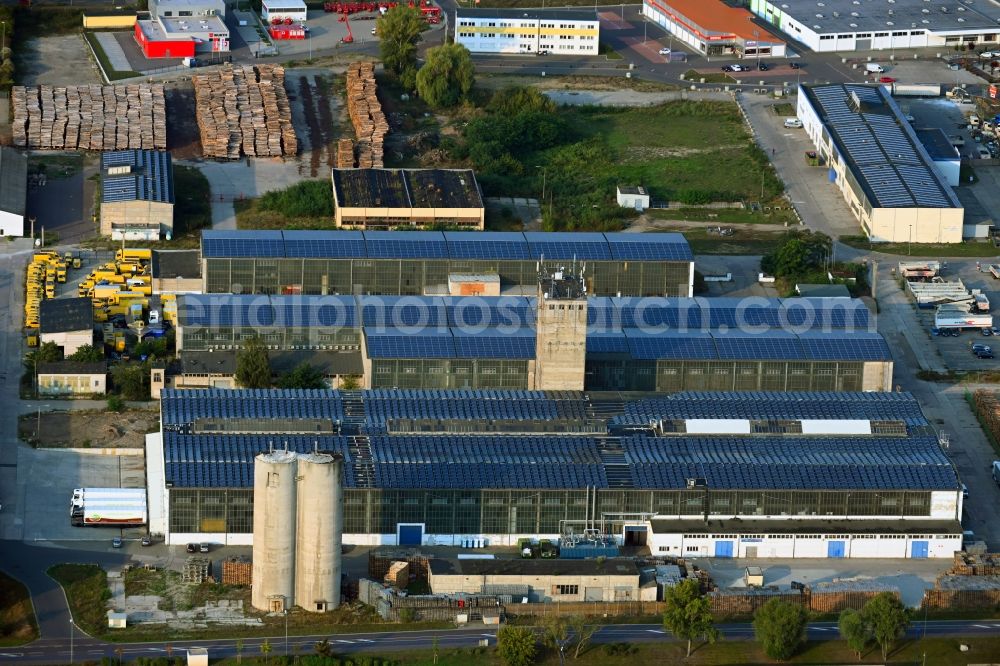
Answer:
(365, 640)
(656, 631)
(347, 642)
(980, 626)
(11, 655)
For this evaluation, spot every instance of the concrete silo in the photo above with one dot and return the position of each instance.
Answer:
(274, 489)
(320, 529)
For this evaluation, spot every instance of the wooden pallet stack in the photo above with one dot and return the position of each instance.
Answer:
(370, 124)
(90, 117)
(244, 110)
(345, 154)
(237, 571)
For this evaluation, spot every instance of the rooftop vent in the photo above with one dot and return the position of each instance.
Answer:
(821, 4)
(836, 14)
(819, 16)
(961, 20)
(925, 21)
(817, 26)
(961, 9)
(855, 14)
(854, 25)
(889, 23)
(925, 10)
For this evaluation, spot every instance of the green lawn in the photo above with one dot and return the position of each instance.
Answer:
(925, 249)
(193, 207)
(17, 616)
(86, 587)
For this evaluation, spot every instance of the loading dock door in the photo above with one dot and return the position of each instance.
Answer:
(918, 549)
(723, 548)
(835, 549)
(593, 594)
(410, 534)
(635, 535)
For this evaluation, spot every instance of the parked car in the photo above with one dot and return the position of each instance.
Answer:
(203, 548)
(664, 51)
(793, 123)
(984, 354)
(192, 548)
(116, 542)
(146, 540)
(794, 65)
(981, 346)
(762, 66)
(935, 331)
(989, 54)
(965, 491)
(886, 79)
(987, 332)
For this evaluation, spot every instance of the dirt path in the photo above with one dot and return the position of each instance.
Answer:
(646, 223)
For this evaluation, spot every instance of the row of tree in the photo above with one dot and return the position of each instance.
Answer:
(447, 75)
(779, 626)
(253, 370)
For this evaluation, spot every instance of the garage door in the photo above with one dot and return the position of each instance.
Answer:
(835, 549)
(410, 535)
(593, 594)
(723, 548)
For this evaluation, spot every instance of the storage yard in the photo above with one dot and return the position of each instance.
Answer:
(244, 111)
(90, 117)
(370, 124)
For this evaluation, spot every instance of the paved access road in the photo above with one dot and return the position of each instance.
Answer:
(49, 650)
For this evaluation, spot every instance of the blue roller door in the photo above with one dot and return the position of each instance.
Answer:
(411, 535)
(835, 549)
(918, 549)
(723, 548)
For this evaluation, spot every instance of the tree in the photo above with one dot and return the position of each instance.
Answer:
(87, 354)
(888, 619)
(689, 615)
(516, 645)
(323, 648)
(350, 382)
(556, 634)
(47, 352)
(253, 370)
(854, 630)
(131, 380)
(239, 650)
(797, 253)
(780, 627)
(303, 376)
(582, 633)
(116, 404)
(399, 31)
(447, 75)
(265, 650)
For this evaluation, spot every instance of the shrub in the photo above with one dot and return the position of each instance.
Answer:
(308, 198)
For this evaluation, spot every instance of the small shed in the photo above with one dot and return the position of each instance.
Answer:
(633, 196)
(197, 656)
(117, 620)
(754, 577)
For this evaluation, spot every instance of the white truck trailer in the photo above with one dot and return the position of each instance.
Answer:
(946, 317)
(95, 515)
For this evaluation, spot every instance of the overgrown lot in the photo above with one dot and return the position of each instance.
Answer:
(305, 205)
(17, 617)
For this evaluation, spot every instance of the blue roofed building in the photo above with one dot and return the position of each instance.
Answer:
(137, 195)
(693, 474)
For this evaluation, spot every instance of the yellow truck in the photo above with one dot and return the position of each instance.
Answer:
(139, 285)
(61, 271)
(134, 254)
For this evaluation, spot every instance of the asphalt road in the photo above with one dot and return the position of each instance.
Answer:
(58, 650)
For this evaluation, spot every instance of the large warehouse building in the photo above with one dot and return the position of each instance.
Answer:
(714, 28)
(510, 342)
(527, 31)
(694, 474)
(440, 263)
(880, 166)
(407, 198)
(851, 25)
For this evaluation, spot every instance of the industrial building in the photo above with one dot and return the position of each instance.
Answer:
(434, 262)
(68, 322)
(692, 474)
(283, 10)
(176, 271)
(944, 156)
(183, 28)
(137, 195)
(527, 31)
(515, 342)
(70, 378)
(880, 166)
(13, 191)
(407, 198)
(844, 26)
(715, 28)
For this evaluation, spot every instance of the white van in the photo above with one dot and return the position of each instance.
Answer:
(793, 123)
(874, 68)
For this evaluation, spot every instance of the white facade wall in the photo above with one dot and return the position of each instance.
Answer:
(11, 224)
(484, 34)
(156, 491)
(283, 9)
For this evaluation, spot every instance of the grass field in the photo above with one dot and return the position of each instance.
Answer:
(745, 240)
(86, 587)
(925, 249)
(714, 77)
(102, 57)
(17, 616)
(249, 215)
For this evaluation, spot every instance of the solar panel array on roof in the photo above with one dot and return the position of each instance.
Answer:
(888, 161)
(468, 245)
(149, 179)
(670, 345)
(238, 310)
(790, 405)
(484, 344)
(424, 343)
(513, 312)
(180, 407)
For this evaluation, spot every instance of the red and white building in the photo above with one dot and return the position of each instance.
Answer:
(714, 28)
(183, 29)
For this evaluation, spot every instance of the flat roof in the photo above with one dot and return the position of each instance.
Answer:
(823, 290)
(935, 16)
(406, 188)
(193, 26)
(519, 567)
(937, 145)
(224, 362)
(61, 315)
(72, 368)
(13, 181)
(536, 14)
(805, 526)
(880, 148)
(717, 18)
(170, 264)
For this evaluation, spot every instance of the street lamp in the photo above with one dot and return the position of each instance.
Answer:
(71, 642)
(286, 634)
(909, 239)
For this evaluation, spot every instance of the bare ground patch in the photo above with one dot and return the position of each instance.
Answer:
(88, 429)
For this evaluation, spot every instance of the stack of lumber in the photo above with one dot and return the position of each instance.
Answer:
(90, 117)
(369, 122)
(345, 154)
(244, 110)
(237, 571)
(972, 564)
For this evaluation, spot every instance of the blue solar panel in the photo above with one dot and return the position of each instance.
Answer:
(419, 344)
(774, 345)
(490, 311)
(821, 313)
(406, 245)
(242, 244)
(649, 247)
(324, 244)
(683, 314)
(565, 246)
(607, 343)
(519, 345)
(860, 346)
(670, 345)
(403, 312)
(487, 245)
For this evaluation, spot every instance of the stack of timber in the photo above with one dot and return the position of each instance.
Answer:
(345, 154)
(90, 117)
(244, 110)
(973, 564)
(370, 124)
(237, 571)
(988, 410)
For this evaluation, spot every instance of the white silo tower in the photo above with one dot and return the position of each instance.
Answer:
(320, 527)
(274, 488)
